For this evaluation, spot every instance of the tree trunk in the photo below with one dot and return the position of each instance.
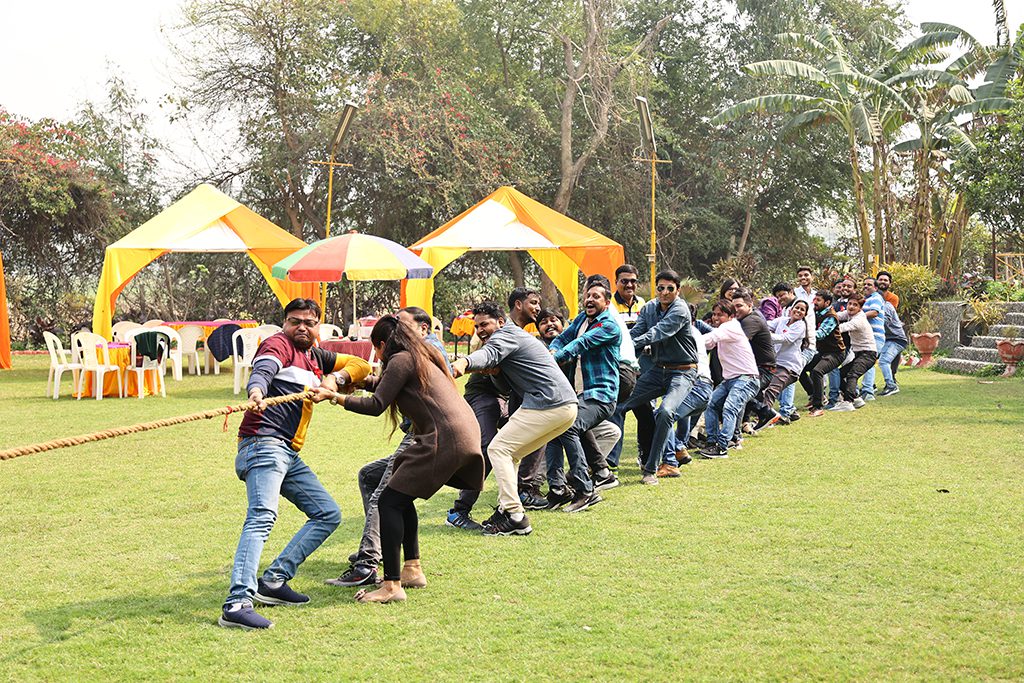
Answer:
(919, 227)
(878, 202)
(515, 264)
(861, 209)
(748, 216)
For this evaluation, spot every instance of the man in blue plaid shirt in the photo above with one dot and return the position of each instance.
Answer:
(591, 344)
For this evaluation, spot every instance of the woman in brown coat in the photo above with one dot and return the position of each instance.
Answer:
(445, 448)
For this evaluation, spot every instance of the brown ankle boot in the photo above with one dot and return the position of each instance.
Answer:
(412, 575)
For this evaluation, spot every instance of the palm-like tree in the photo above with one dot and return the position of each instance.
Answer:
(842, 97)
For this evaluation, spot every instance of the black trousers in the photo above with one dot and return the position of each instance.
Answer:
(852, 371)
(488, 416)
(399, 530)
(812, 379)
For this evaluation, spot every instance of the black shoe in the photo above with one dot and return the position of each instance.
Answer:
(889, 391)
(766, 421)
(793, 417)
(356, 575)
(532, 500)
(501, 524)
(713, 451)
(462, 520)
(582, 501)
(245, 618)
(282, 595)
(605, 483)
(559, 497)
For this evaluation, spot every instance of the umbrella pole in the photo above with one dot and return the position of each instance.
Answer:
(355, 318)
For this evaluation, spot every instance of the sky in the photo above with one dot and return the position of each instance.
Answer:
(58, 53)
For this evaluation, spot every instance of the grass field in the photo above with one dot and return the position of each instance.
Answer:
(881, 544)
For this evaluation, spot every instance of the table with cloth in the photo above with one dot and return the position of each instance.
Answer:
(120, 355)
(362, 348)
(210, 325)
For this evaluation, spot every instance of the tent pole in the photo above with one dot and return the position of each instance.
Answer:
(652, 257)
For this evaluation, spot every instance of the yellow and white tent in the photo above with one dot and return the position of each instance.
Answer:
(508, 220)
(204, 220)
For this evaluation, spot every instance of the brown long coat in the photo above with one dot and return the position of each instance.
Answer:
(446, 443)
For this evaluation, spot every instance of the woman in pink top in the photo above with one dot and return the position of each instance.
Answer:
(739, 379)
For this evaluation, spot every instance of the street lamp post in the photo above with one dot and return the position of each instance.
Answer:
(347, 114)
(650, 151)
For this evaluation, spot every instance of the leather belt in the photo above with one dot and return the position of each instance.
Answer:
(690, 366)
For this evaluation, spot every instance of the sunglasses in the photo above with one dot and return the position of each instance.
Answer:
(302, 322)
(666, 288)
(628, 281)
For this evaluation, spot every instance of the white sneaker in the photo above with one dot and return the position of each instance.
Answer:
(844, 407)
(859, 402)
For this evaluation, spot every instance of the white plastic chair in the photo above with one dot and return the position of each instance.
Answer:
(249, 341)
(174, 353)
(118, 330)
(266, 331)
(59, 363)
(364, 332)
(353, 331)
(95, 358)
(140, 365)
(329, 331)
(153, 323)
(188, 347)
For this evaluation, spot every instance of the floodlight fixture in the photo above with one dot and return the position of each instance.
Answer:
(347, 114)
(646, 127)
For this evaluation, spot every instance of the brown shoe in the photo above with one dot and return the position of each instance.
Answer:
(683, 456)
(412, 575)
(666, 470)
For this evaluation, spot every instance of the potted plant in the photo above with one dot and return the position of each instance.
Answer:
(1011, 349)
(925, 339)
(981, 314)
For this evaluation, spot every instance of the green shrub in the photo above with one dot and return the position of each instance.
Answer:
(915, 285)
(983, 313)
(1004, 291)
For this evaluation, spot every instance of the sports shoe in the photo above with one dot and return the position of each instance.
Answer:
(462, 520)
(736, 445)
(245, 618)
(783, 421)
(747, 428)
(868, 397)
(649, 480)
(582, 501)
(831, 405)
(282, 595)
(667, 471)
(766, 422)
(356, 575)
(793, 417)
(683, 456)
(559, 497)
(501, 524)
(843, 407)
(859, 402)
(889, 391)
(713, 451)
(605, 483)
(532, 500)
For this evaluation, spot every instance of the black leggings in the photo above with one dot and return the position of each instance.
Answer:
(399, 529)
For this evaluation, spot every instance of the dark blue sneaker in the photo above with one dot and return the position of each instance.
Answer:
(245, 618)
(356, 575)
(462, 520)
(282, 595)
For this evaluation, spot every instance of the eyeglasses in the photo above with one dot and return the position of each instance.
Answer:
(666, 288)
(628, 281)
(302, 322)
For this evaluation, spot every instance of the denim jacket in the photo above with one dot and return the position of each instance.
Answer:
(667, 332)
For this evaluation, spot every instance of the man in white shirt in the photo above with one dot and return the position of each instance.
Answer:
(805, 280)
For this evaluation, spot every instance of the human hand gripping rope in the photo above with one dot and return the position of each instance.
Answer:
(226, 411)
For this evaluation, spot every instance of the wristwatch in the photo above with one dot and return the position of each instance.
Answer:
(335, 401)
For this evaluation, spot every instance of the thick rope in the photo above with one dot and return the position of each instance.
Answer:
(145, 426)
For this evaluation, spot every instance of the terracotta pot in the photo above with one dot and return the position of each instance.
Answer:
(1011, 351)
(926, 343)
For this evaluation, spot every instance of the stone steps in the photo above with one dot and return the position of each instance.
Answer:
(1001, 331)
(963, 366)
(984, 341)
(1014, 319)
(978, 354)
(1014, 307)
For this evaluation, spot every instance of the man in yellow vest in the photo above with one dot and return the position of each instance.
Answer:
(628, 304)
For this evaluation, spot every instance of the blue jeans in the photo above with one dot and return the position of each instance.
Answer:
(673, 386)
(270, 469)
(891, 350)
(787, 398)
(691, 407)
(589, 413)
(833, 385)
(726, 407)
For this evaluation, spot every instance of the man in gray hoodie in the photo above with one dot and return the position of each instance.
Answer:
(548, 408)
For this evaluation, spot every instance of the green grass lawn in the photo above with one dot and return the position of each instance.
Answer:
(881, 544)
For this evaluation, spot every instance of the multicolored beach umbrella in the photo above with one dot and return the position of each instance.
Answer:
(357, 256)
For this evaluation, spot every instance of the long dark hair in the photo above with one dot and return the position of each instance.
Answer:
(729, 282)
(806, 341)
(398, 336)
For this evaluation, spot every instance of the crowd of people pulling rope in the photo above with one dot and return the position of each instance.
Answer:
(545, 407)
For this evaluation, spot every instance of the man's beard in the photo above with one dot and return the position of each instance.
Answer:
(303, 344)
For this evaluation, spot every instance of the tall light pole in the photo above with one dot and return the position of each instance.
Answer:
(650, 151)
(347, 114)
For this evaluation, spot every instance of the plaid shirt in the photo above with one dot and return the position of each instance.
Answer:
(597, 350)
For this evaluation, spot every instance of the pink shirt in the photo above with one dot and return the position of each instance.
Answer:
(734, 352)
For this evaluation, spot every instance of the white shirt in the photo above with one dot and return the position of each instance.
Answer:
(862, 337)
(627, 352)
(703, 361)
(788, 340)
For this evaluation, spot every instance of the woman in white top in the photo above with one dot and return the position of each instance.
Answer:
(739, 379)
(790, 334)
(865, 353)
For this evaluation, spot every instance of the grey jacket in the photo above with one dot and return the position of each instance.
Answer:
(666, 332)
(527, 366)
